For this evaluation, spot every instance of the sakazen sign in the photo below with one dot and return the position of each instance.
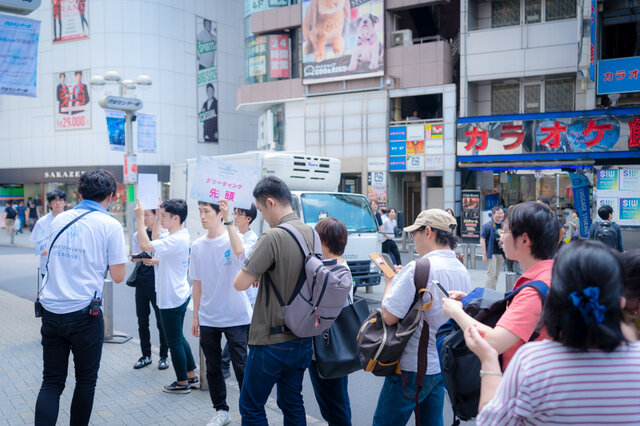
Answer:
(564, 133)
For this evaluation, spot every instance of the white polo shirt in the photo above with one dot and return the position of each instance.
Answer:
(446, 269)
(79, 259)
(172, 286)
(40, 236)
(249, 239)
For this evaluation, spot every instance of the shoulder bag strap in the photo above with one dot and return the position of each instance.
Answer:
(64, 228)
(420, 279)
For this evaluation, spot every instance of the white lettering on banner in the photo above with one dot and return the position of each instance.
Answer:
(67, 174)
(324, 69)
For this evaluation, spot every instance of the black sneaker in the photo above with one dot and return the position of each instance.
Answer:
(194, 382)
(163, 364)
(176, 388)
(142, 362)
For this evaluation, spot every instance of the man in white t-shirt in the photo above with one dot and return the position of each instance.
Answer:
(434, 238)
(218, 308)
(172, 287)
(85, 243)
(42, 229)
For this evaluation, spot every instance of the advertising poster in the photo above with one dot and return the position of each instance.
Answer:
(279, 56)
(256, 57)
(217, 179)
(622, 195)
(70, 20)
(470, 220)
(607, 180)
(72, 106)
(415, 132)
(342, 40)
(115, 127)
(630, 209)
(377, 187)
(415, 147)
(146, 133)
(581, 190)
(630, 179)
(18, 55)
(207, 94)
(253, 6)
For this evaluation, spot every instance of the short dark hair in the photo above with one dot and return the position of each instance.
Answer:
(177, 207)
(545, 200)
(539, 223)
(215, 207)
(446, 238)
(496, 208)
(579, 265)
(61, 75)
(97, 185)
(153, 210)
(333, 234)
(605, 211)
(78, 72)
(631, 262)
(56, 193)
(251, 212)
(210, 85)
(272, 187)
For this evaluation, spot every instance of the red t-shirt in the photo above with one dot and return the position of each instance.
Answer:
(523, 313)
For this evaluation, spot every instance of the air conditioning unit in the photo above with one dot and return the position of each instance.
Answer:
(401, 38)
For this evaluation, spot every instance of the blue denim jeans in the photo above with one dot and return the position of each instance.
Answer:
(80, 334)
(181, 357)
(282, 364)
(395, 405)
(332, 396)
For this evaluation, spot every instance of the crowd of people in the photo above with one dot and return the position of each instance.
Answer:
(581, 368)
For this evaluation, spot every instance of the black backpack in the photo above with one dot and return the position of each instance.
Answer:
(607, 234)
(11, 212)
(461, 367)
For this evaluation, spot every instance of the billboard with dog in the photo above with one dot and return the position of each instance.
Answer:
(342, 39)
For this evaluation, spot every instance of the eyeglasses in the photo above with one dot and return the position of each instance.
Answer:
(413, 233)
(237, 213)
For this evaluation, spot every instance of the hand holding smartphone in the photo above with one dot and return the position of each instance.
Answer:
(384, 263)
(440, 288)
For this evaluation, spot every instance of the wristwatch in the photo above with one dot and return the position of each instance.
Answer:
(228, 223)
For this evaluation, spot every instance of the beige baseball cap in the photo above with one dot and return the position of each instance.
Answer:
(436, 219)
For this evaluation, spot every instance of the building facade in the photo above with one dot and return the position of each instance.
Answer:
(540, 113)
(193, 53)
(378, 93)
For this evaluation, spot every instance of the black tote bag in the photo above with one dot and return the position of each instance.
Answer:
(336, 349)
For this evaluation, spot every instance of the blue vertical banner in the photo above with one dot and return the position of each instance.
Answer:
(115, 127)
(581, 189)
(146, 133)
(592, 46)
(18, 55)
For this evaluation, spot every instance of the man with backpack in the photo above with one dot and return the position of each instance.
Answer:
(434, 237)
(530, 236)
(607, 231)
(277, 356)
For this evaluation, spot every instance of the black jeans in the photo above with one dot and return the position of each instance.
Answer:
(145, 296)
(390, 247)
(181, 356)
(83, 335)
(210, 337)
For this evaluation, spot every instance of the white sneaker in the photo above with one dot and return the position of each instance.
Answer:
(220, 418)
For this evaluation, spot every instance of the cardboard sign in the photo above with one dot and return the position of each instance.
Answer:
(148, 193)
(217, 179)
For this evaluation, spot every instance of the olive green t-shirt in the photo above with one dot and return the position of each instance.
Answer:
(275, 247)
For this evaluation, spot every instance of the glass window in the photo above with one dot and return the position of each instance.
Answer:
(353, 210)
(505, 99)
(531, 98)
(560, 9)
(559, 95)
(533, 11)
(505, 13)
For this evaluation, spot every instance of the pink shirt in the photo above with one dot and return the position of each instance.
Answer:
(523, 313)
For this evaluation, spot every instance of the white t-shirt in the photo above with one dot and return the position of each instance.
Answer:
(80, 258)
(446, 269)
(388, 226)
(249, 240)
(215, 265)
(40, 236)
(172, 286)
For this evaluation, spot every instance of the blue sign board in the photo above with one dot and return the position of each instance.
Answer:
(397, 133)
(592, 45)
(18, 55)
(397, 163)
(619, 75)
(397, 148)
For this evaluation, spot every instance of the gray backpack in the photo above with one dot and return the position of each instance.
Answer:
(320, 294)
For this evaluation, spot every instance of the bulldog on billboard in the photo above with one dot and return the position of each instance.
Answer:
(342, 39)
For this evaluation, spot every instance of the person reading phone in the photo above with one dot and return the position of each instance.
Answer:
(433, 233)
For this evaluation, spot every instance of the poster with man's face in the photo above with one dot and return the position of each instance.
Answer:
(342, 39)
(72, 104)
(70, 20)
(207, 96)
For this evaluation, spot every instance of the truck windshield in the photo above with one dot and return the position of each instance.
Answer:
(351, 209)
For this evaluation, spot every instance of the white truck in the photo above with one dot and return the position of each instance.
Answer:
(313, 182)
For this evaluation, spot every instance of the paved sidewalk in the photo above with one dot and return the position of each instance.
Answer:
(124, 396)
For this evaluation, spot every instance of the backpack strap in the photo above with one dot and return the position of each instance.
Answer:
(540, 286)
(420, 279)
(317, 246)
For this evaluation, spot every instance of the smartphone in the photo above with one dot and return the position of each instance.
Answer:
(441, 288)
(143, 255)
(384, 263)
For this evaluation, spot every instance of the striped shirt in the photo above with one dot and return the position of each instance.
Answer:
(548, 383)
